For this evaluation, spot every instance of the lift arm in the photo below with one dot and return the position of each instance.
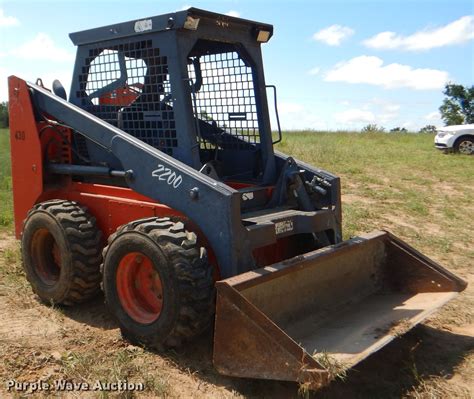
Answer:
(213, 206)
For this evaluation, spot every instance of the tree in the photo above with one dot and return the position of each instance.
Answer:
(458, 108)
(4, 120)
(373, 128)
(398, 130)
(428, 129)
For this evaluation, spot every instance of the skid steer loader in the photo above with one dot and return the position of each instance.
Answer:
(157, 180)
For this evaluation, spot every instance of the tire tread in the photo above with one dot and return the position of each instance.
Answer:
(193, 273)
(85, 243)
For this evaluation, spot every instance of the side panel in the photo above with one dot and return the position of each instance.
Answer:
(114, 206)
(111, 206)
(26, 157)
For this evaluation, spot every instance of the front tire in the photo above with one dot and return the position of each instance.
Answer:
(158, 283)
(61, 250)
(464, 145)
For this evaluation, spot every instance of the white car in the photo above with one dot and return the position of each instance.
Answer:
(457, 138)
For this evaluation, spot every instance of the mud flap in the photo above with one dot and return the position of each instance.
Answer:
(313, 316)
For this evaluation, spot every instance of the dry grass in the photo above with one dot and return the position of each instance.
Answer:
(334, 367)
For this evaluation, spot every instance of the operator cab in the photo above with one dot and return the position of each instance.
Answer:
(190, 84)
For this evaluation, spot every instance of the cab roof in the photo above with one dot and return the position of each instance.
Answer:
(185, 19)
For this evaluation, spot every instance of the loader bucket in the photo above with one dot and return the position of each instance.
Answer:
(311, 317)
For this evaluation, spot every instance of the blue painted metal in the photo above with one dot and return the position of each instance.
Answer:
(83, 170)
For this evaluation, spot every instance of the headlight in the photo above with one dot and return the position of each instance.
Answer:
(442, 134)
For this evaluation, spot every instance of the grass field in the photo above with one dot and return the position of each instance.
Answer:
(392, 181)
(6, 203)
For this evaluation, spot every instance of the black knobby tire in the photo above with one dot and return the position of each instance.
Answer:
(62, 251)
(185, 276)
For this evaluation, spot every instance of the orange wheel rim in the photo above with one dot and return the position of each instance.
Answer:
(139, 288)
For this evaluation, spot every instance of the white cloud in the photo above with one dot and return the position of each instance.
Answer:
(457, 32)
(388, 113)
(289, 108)
(297, 116)
(333, 35)
(433, 116)
(6, 21)
(392, 107)
(410, 126)
(42, 47)
(233, 13)
(314, 71)
(377, 110)
(354, 116)
(371, 70)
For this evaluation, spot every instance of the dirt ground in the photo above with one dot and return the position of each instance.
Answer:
(37, 342)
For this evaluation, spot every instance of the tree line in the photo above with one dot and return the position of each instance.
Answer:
(457, 109)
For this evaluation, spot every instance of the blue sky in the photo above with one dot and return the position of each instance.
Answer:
(337, 64)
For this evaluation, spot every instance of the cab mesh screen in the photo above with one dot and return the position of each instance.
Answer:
(224, 101)
(127, 85)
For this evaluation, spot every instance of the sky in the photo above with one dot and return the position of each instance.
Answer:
(337, 64)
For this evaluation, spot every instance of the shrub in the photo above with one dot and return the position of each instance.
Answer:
(373, 128)
(428, 129)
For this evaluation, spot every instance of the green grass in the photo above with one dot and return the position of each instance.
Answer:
(411, 155)
(6, 200)
(394, 176)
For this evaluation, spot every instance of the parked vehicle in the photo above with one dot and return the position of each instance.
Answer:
(457, 138)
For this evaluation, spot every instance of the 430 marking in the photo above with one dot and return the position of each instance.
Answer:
(168, 175)
(20, 135)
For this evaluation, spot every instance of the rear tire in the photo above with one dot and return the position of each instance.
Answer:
(61, 250)
(158, 283)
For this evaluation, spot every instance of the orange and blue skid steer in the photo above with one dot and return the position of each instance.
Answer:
(157, 181)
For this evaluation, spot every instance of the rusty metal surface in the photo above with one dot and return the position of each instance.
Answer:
(248, 344)
(346, 301)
